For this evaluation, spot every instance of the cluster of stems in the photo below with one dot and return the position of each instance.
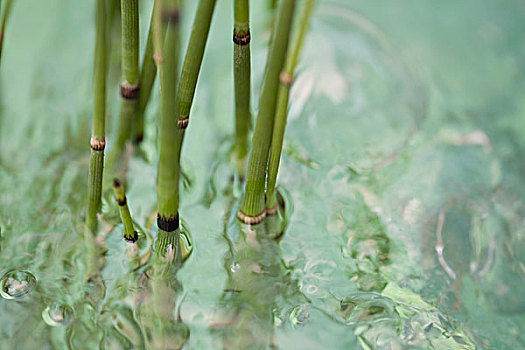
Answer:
(241, 76)
(253, 205)
(98, 142)
(286, 79)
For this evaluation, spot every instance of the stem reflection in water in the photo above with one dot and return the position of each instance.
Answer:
(257, 282)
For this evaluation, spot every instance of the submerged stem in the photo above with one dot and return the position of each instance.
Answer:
(96, 161)
(241, 75)
(253, 204)
(279, 125)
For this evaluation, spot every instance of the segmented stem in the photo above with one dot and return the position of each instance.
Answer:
(129, 86)
(96, 161)
(241, 75)
(193, 60)
(167, 17)
(279, 125)
(129, 234)
(253, 203)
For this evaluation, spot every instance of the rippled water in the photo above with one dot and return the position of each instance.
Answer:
(403, 177)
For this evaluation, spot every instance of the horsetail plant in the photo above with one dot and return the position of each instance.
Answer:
(166, 57)
(252, 210)
(98, 142)
(172, 136)
(241, 76)
(129, 86)
(286, 79)
(148, 73)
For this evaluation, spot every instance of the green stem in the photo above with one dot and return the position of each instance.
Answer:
(146, 80)
(5, 14)
(168, 165)
(96, 161)
(282, 106)
(241, 75)
(129, 234)
(193, 61)
(191, 66)
(253, 204)
(129, 86)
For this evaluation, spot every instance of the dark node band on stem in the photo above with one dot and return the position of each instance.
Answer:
(170, 15)
(241, 39)
(168, 224)
(183, 123)
(122, 201)
(128, 91)
(286, 78)
(132, 239)
(250, 220)
(96, 144)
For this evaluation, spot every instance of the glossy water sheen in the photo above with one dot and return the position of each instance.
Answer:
(403, 169)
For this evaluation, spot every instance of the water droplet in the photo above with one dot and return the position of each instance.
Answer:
(299, 315)
(15, 284)
(57, 314)
(235, 267)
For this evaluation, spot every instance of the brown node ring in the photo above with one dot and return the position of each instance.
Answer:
(183, 123)
(132, 239)
(286, 79)
(96, 144)
(241, 39)
(122, 202)
(250, 220)
(170, 15)
(128, 91)
(168, 224)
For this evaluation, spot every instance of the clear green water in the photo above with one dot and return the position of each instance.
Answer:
(403, 166)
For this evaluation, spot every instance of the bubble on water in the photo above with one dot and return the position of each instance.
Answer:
(15, 284)
(299, 315)
(57, 314)
(235, 267)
